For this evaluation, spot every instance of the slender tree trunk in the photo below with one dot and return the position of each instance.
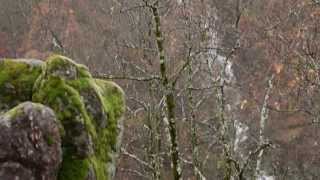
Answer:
(169, 95)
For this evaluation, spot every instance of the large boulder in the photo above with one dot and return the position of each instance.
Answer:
(30, 143)
(89, 111)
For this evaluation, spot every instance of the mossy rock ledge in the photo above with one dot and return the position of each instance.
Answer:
(89, 111)
(17, 77)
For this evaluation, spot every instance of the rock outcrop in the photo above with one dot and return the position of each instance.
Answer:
(88, 110)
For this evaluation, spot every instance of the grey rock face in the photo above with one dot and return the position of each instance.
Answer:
(30, 145)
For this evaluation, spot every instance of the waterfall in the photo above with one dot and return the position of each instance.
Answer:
(234, 98)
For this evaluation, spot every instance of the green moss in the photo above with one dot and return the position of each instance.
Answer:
(100, 167)
(114, 104)
(62, 66)
(57, 62)
(16, 81)
(73, 168)
(77, 98)
(113, 97)
(83, 71)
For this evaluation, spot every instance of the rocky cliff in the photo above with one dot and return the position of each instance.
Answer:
(69, 129)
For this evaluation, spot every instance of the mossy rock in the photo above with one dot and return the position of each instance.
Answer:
(17, 77)
(114, 103)
(89, 110)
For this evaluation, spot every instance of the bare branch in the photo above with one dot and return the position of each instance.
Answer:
(132, 78)
(132, 156)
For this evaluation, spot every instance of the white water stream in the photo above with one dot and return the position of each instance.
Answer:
(233, 99)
